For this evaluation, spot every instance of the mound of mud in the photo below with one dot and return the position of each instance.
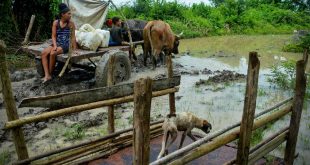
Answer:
(225, 76)
(221, 77)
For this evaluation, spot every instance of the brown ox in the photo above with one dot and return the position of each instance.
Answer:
(158, 37)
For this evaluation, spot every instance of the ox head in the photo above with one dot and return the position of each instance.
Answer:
(176, 43)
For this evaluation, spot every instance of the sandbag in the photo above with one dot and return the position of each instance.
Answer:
(88, 40)
(105, 37)
(86, 28)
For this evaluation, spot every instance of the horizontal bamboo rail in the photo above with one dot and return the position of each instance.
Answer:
(80, 108)
(261, 144)
(199, 142)
(154, 125)
(268, 147)
(229, 137)
(109, 144)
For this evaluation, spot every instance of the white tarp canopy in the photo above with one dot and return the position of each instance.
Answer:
(92, 12)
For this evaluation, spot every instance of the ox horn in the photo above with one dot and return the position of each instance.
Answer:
(180, 35)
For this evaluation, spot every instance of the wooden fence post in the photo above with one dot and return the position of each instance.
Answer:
(26, 40)
(296, 112)
(141, 116)
(111, 82)
(248, 110)
(170, 75)
(11, 111)
(305, 57)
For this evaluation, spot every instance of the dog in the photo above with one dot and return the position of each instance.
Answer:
(184, 121)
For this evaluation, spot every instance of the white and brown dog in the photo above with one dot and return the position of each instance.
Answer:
(183, 121)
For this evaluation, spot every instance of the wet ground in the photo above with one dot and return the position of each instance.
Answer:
(212, 86)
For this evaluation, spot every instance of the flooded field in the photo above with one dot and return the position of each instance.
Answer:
(221, 103)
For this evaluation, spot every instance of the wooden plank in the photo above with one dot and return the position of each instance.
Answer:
(170, 75)
(300, 89)
(80, 108)
(111, 82)
(228, 137)
(141, 116)
(248, 109)
(98, 94)
(268, 147)
(11, 111)
(82, 54)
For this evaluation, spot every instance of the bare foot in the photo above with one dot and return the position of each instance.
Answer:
(45, 79)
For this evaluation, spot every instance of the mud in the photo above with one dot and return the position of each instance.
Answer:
(220, 77)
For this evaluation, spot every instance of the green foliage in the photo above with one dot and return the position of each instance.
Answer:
(75, 131)
(5, 157)
(305, 41)
(54, 8)
(283, 75)
(299, 46)
(296, 48)
(257, 136)
(261, 92)
(225, 17)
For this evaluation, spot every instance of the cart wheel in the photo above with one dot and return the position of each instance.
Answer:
(122, 69)
(39, 67)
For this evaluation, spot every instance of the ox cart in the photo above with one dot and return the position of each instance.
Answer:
(122, 63)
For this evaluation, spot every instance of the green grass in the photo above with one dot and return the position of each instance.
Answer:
(258, 134)
(261, 92)
(5, 157)
(74, 132)
(19, 61)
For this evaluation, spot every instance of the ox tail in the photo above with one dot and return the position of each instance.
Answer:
(150, 39)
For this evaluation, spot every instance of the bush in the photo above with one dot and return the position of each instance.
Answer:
(75, 131)
(283, 75)
(296, 48)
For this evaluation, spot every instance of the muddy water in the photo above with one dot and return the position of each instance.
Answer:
(220, 103)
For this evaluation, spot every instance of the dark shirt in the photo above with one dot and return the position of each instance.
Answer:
(116, 34)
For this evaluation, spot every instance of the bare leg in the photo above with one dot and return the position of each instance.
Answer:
(44, 57)
(52, 61)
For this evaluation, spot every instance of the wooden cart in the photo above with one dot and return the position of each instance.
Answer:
(122, 61)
